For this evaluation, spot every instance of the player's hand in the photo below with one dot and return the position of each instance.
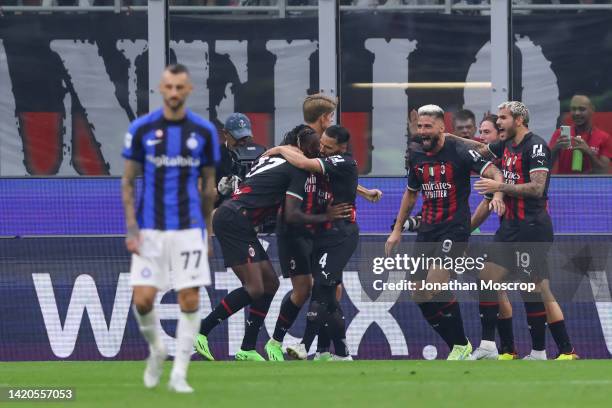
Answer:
(497, 205)
(339, 211)
(392, 242)
(373, 195)
(133, 239)
(580, 144)
(413, 118)
(486, 186)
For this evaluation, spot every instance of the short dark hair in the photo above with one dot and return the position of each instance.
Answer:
(491, 118)
(464, 114)
(176, 69)
(339, 133)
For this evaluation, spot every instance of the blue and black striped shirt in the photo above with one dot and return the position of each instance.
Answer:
(172, 154)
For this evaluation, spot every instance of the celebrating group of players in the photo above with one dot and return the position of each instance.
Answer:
(310, 184)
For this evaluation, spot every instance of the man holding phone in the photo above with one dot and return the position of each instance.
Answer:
(581, 148)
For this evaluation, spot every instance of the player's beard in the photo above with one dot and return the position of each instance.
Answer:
(433, 142)
(174, 106)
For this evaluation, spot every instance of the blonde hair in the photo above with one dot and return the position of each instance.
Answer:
(517, 109)
(317, 105)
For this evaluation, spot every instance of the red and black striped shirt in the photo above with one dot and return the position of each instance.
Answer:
(444, 181)
(517, 164)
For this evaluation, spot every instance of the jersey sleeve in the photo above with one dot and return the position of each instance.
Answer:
(336, 165)
(414, 184)
(133, 148)
(496, 148)
(297, 183)
(539, 157)
(473, 159)
(211, 154)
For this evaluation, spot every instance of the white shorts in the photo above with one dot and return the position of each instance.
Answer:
(171, 259)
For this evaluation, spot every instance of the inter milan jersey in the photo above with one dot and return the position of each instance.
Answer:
(172, 154)
(517, 164)
(341, 174)
(444, 181)
(266, 185)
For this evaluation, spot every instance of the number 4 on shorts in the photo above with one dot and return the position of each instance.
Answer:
(323, 260)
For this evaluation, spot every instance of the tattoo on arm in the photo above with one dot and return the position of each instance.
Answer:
(533, 189)
(131, 170)
(492, 172)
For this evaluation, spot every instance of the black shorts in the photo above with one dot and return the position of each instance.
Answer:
(238, 239)
(522, 248)
(332, 252)
(295, 254)
(436, 246)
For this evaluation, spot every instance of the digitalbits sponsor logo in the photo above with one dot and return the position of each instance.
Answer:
(251, 251)
(145, 273)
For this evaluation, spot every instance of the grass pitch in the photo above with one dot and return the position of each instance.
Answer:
(372, 384)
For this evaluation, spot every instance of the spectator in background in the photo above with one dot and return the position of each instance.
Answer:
(594, 143)
(464, 123)
(238, 153)
(489, 132)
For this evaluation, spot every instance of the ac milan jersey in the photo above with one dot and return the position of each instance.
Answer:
(266, 185)
(316, 198)
(342, 175)
(444, 181)
(517, 164)
(172, 154)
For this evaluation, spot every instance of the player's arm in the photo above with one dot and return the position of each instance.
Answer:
(209, 196)
(481, 214)
(496, 203)
(131, 170)
(534, 189)
(295, 215)
(373, 195)
(408, 201)
(481, 148)
(295, 157)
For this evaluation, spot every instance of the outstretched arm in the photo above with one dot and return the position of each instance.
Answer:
(295, 156)
(481, 148)
(372, 196)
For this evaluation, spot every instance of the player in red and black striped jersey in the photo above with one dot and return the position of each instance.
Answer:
(441, 171)
(526, 163)
(271, 180)
(335, 241)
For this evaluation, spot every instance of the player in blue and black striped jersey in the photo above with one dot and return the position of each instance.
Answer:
(172, 148)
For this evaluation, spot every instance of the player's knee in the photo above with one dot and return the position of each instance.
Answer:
(189, 299)
(143, 305)
(300, 294)
(255, 290)
(271, 285)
